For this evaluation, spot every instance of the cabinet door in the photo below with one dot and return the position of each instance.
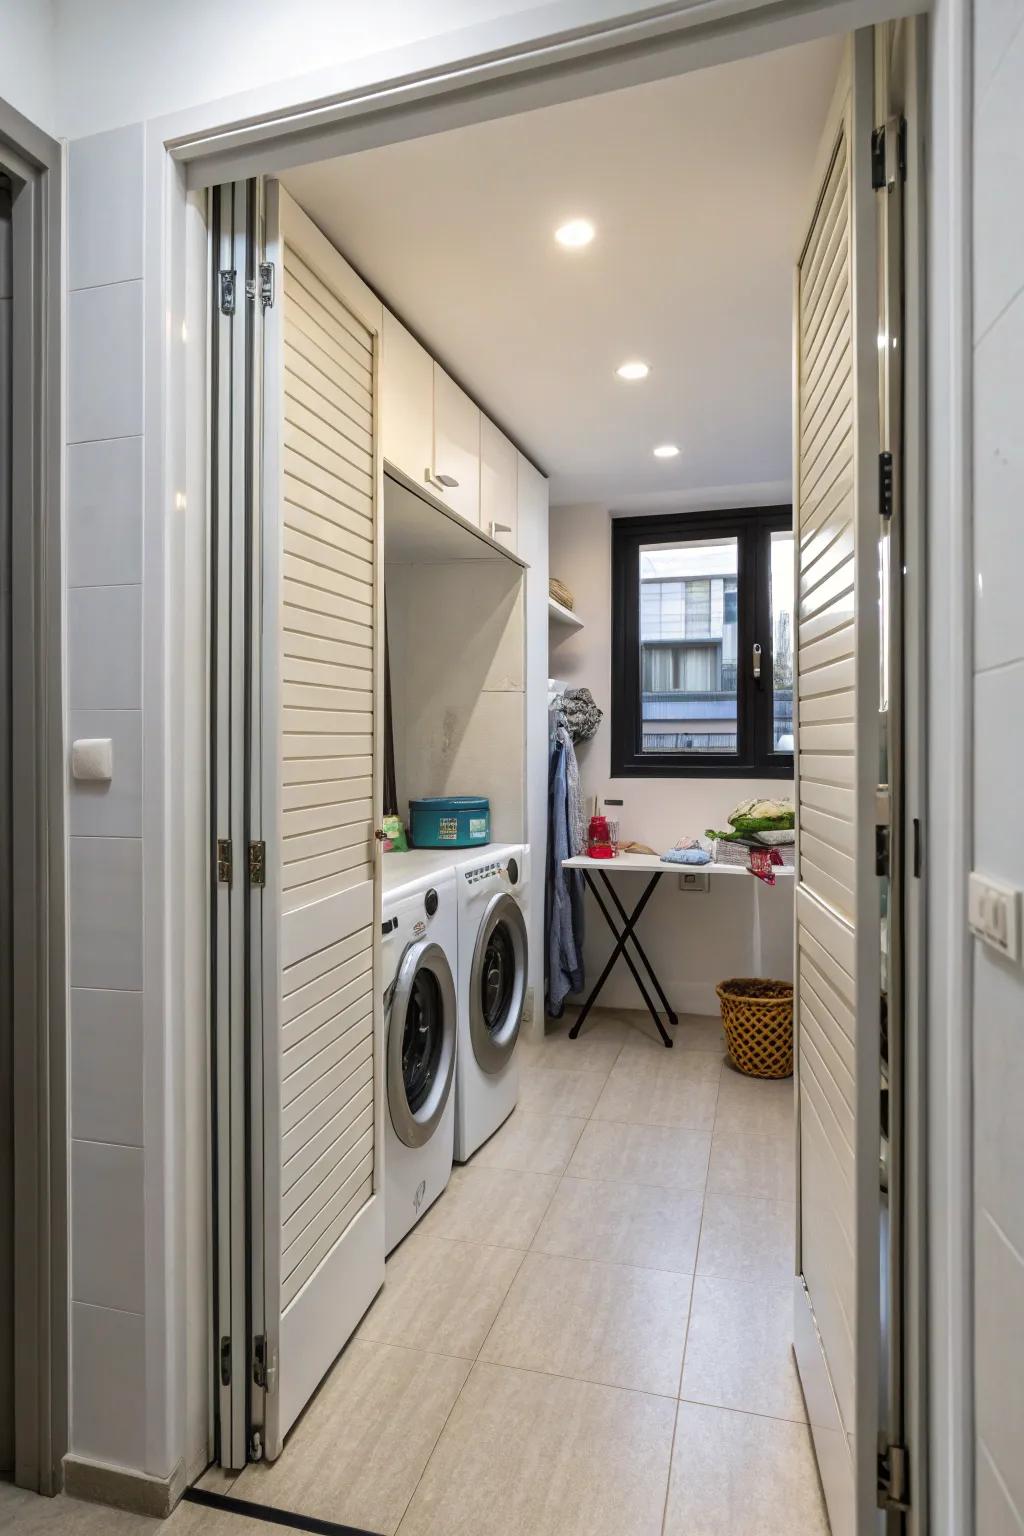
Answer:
(456, 447)
(498, 508)
(407, 402)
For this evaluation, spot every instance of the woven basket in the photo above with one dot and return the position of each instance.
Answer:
(561, 594)
(757, 1016)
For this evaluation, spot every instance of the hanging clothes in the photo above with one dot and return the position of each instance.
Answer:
(563, 888)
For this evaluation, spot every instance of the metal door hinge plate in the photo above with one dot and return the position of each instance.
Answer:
(257, 863)
(228, 290)
(266, 284)
(885, 484)
(889, 154)
(224, 869)
(893, 1478)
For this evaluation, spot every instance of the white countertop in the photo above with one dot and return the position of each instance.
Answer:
(652, 863)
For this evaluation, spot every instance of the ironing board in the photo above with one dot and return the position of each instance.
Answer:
(624, 933)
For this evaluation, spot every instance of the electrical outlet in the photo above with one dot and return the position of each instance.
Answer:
(695, 882)
(993, 914)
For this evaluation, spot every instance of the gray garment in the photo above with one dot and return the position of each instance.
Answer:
(563, 888)
(574, 794)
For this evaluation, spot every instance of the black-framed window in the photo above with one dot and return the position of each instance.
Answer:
(702, 644)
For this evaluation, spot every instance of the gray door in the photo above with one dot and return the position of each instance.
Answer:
(6, 1041)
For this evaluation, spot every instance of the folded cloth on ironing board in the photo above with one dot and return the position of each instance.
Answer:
(686, 856)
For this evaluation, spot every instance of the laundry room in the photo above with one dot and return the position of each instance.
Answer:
(536, 608)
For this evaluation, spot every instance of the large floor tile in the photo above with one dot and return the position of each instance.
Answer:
(764, 1166)
(642, 1154)
(559, 1091)
(623, 1224)
(694, 1032)
(440, 1295)
(30, 1514)
(357, 1453)
(531, 1143)
(595, 1049)
(755, 1106)
(736, 1473)
(739, 1350)
(531, 1455)
(743, 1239)
(648, 1093)
(598, 1322)
(491, 1205)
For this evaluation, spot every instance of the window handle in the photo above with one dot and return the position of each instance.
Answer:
(757, 662)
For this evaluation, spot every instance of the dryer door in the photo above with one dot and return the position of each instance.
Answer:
(421, 1042)
(497, 982)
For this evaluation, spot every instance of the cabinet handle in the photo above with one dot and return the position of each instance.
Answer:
(497, 528)
(448, 481)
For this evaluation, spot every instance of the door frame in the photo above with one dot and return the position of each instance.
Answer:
(34, 162)
(268, 131)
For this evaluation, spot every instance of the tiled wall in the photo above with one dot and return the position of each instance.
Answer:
(999, 753)
(105, 823)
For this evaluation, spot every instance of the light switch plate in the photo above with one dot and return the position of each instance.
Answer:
(695, 882)
(993, 913)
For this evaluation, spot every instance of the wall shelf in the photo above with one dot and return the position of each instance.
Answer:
(559, 614)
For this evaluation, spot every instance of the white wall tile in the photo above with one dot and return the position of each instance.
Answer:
(995, 25)
(105, 207)
(999, 1091)
(104, 515)
(108, 1226)
(999, 190)
(105, 362)
(108, 1385)
(999, 490)
(112, 809)
(105, 889)
(998, 755)
(999, 1343)
(106, 1066)
(996, 1515)
(105, 647)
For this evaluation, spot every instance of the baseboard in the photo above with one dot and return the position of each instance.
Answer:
(122, 1488)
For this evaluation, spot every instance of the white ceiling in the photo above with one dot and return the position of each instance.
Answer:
(698, 187)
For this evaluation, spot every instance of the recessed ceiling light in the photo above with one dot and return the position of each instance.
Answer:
(576, 233)
(635, 370)
(666, 451)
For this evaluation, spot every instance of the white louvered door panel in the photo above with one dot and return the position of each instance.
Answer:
(837, 900)
(322, 1229)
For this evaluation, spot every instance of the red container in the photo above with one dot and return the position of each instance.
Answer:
(599, 842)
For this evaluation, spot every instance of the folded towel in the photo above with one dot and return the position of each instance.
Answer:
(686, 856)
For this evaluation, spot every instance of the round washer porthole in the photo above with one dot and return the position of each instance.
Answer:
(497, 982)
(421, 1042)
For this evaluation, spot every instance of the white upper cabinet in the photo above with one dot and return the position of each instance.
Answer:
(407, 402)
(498, 491)
(456, 460)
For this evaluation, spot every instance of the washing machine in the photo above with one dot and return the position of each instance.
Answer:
(420, 943)
(493, 962)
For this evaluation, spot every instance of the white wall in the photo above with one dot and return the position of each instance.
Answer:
(28, 60)
(694, 941)
(998, 1010)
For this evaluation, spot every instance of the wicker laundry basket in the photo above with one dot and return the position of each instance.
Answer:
(757, 1016)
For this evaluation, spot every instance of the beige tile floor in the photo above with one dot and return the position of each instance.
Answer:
(587, 1334)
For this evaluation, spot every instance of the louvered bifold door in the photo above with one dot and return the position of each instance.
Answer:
(837, 902)
(321, 1229)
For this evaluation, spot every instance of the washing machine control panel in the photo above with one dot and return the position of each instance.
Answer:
(509, 871)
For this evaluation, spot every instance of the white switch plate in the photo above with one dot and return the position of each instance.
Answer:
(695, 881)
(993, 913)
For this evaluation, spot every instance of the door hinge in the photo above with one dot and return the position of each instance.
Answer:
(889, 154)
(257, 863)
(225, 1361)
(885, 484)
(264, 1364)
(228, 290)
(266, 284)
(224, 863)
(255, 1446)
(893, 1478)
(882, 851)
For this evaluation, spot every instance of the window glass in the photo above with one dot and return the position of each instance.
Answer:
(688, 645)
(782, 641)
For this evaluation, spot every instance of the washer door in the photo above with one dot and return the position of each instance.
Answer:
(497, 982)
(421, 1042)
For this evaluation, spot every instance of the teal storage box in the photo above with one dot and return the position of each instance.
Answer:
(450, 821)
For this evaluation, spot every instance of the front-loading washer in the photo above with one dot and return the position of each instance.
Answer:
(493, 968)
(419, 941)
